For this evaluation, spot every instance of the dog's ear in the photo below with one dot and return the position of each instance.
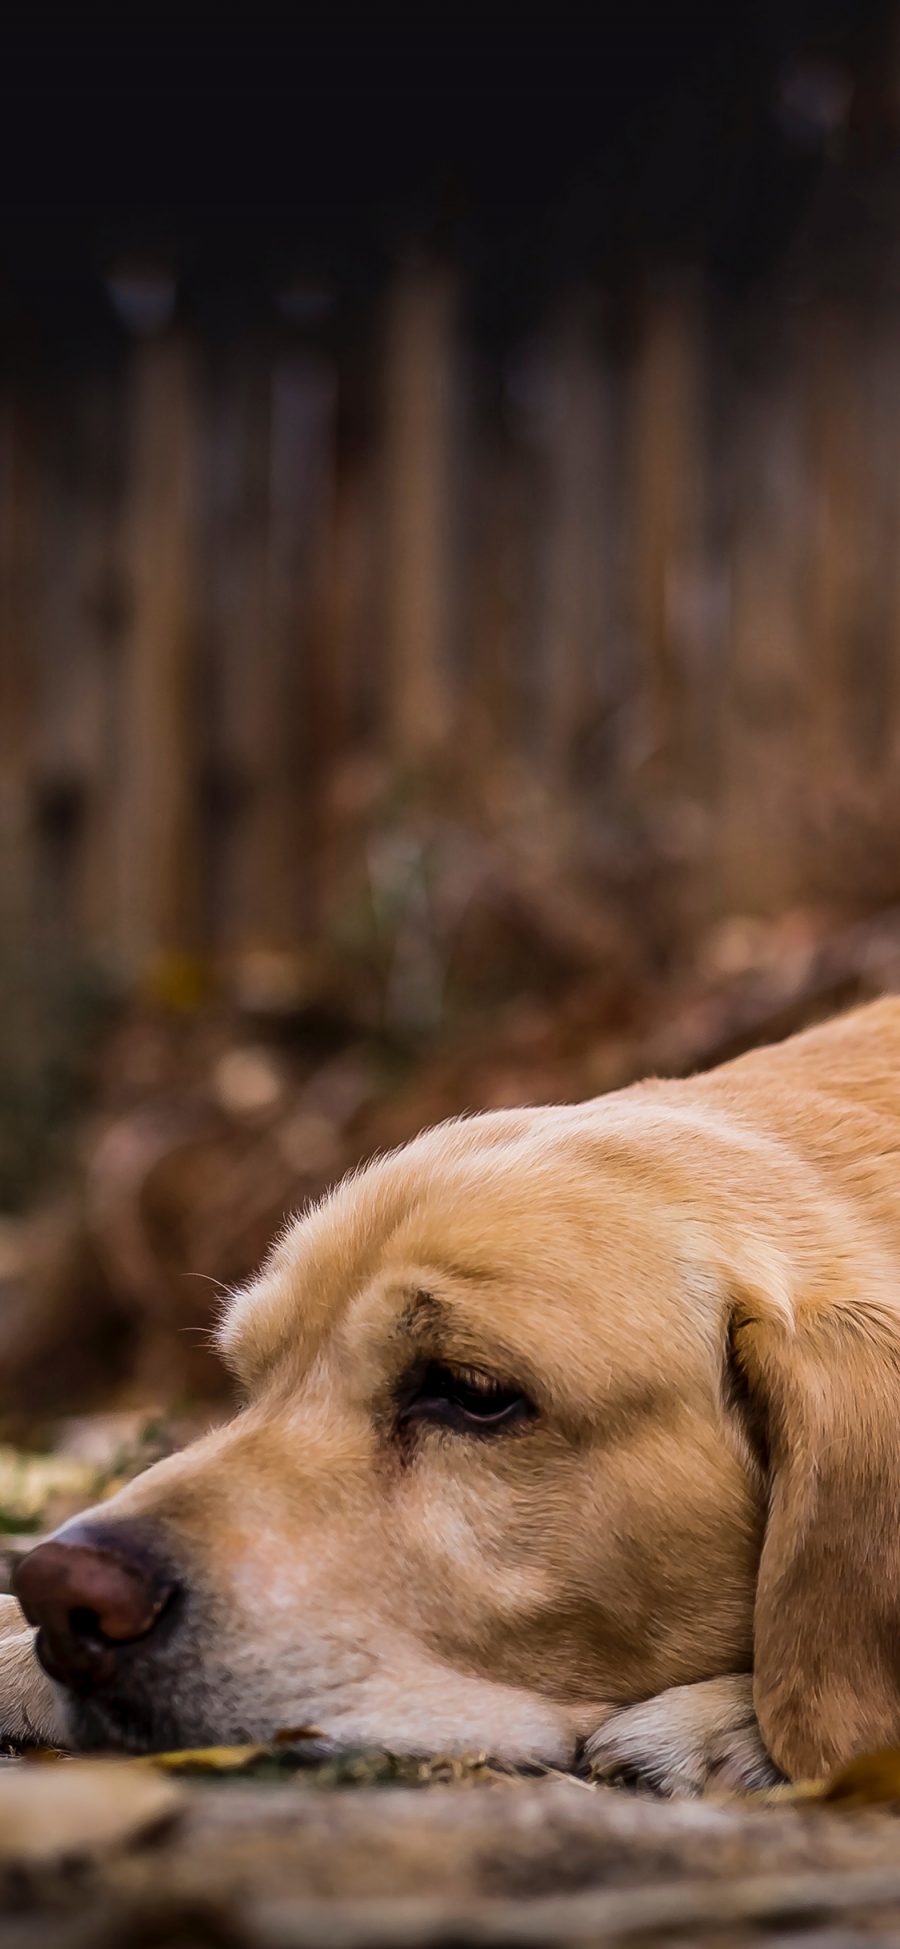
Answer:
(818, 1393)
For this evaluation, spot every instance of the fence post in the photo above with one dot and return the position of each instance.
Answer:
(417, 421)
(17, 571)
(575, 653)
(664, 497)
(159, 737)
(765, 692)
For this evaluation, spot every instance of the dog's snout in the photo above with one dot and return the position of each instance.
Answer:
(90, 1591)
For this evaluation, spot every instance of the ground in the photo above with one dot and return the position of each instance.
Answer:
(282, 1863)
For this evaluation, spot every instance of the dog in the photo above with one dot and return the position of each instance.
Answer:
(568, 1434)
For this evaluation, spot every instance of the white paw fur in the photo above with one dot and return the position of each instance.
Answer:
(29, 1713)
(691, 1740)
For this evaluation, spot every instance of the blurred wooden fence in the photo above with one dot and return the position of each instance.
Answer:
(653, 578)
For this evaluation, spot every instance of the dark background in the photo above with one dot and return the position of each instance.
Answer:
(449, 609)
(536, 142)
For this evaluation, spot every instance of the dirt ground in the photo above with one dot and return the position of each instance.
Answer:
(270, 1865)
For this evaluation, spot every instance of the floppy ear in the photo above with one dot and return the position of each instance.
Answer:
(820, 1399)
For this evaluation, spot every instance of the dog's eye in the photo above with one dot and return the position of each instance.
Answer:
(461, 1397)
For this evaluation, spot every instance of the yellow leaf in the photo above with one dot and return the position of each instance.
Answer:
(872, 1780)
(206, 1759)
(230, 1759)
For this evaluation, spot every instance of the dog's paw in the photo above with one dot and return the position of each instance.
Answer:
(29, 1712)
(692, 1739)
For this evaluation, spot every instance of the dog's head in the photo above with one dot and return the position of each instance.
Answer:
(492, 1474)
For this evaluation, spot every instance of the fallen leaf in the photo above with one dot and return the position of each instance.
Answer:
(295, 1751)
(206, 1759)
(872, 1780)
(80, 1809)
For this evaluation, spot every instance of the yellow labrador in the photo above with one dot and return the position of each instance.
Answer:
(566, 1430)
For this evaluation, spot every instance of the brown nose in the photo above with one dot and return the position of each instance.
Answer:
(90, 1592)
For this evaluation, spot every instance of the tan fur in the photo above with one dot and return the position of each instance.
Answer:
(29, 1713)
(677, 1274)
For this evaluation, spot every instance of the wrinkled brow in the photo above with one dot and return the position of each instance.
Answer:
(431, 1323)
(424, 1317)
